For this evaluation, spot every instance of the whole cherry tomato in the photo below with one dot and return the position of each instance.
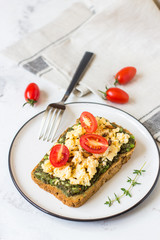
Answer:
(59, 155)
(31, 94)
(125, 75)
(94, 143)
(88, 121)
(116, 95)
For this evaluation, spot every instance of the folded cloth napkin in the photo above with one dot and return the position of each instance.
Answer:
(124, 33)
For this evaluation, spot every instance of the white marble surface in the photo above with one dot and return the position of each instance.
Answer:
(19, 219)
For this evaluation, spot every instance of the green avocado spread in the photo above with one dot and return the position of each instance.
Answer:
(70, 189)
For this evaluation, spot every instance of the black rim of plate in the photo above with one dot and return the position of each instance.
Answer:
(76, 219)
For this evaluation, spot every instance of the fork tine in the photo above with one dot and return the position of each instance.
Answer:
(48, 123)
(57, 124)
(53, 120)
(44, 122)
(54, 130)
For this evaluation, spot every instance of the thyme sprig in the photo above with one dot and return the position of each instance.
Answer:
(127, 192)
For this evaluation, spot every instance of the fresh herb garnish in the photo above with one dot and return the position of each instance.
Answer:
(126, 192)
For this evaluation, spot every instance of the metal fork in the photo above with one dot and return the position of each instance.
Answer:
(54, 111)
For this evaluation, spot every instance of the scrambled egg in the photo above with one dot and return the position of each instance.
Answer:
(81, 169)
(72, 137)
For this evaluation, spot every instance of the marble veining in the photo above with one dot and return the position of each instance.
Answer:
(157, 210)
(2, 86)
(15, 201)
(24, 23)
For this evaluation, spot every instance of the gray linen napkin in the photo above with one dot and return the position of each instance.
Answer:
(124, 33)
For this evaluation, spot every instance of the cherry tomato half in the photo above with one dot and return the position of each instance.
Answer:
(116, 95)
(59, 155)
(32, 94)
(125, 75)
(88, 121)
(93, 143)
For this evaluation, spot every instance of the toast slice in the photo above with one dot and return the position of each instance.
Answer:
(74, 191)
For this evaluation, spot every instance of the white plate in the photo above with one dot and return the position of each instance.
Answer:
(26, 151)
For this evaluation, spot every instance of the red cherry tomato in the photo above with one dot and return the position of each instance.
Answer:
(125, 75)
(88, 121)
(116, 95)
(59, 155)
(93, 143)
(32, 94)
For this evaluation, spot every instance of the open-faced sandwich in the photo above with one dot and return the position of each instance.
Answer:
(85, 156)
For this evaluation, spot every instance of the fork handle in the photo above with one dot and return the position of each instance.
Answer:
(77, 76)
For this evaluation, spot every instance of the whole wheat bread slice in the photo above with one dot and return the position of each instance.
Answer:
(78, 200)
